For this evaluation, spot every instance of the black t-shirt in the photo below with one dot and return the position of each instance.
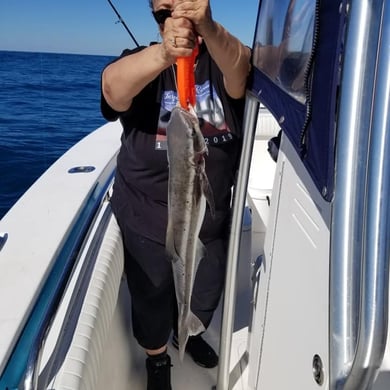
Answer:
(141, 183)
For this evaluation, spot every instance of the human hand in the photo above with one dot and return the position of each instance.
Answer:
(178, 37)
(196, 11)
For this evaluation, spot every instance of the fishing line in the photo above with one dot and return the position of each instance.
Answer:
(123, 23)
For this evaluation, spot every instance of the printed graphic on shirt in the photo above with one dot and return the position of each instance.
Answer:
(209, 111)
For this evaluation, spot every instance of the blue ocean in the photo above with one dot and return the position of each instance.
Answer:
(48, 102)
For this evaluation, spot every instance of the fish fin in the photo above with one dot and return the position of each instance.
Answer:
(191, 109)
(170, 247)
(173, 256)
(192, 326)
(200, 254)
(195, 325)
(208, 193)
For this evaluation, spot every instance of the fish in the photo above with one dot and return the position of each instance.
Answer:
(188, 192)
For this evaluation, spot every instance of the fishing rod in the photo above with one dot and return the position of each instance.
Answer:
(123, 23)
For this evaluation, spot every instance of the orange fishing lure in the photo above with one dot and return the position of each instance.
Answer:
(186, 79)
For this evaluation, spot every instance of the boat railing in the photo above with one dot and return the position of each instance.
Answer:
(360, 241)
(251, 112)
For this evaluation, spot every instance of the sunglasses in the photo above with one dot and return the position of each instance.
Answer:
(161, 15)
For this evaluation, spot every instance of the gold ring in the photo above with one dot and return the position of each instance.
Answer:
(173, 41)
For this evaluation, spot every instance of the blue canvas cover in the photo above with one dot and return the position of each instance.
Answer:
(296, 69)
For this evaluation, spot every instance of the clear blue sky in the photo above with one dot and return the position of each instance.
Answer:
(88, 26)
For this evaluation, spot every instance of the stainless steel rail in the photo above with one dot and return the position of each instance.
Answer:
(251, 112)
(358, 285)
(374, 310)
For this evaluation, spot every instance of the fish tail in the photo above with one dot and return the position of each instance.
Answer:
(192, 326)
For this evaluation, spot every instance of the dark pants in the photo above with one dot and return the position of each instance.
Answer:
(150, 280)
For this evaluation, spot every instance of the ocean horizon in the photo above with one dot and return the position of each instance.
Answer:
(55, 52)
(48, 102)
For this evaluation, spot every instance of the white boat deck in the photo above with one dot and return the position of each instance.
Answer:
(119, 363)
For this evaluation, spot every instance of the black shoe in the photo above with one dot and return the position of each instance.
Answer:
(159, 372)
(199, 350)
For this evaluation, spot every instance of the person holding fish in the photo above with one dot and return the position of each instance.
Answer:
(172, 162)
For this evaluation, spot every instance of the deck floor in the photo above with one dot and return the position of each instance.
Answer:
(124, 360)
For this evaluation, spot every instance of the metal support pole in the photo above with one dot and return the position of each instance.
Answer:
(251, 112)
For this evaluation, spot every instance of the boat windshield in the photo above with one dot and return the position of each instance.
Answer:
(283, 43)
